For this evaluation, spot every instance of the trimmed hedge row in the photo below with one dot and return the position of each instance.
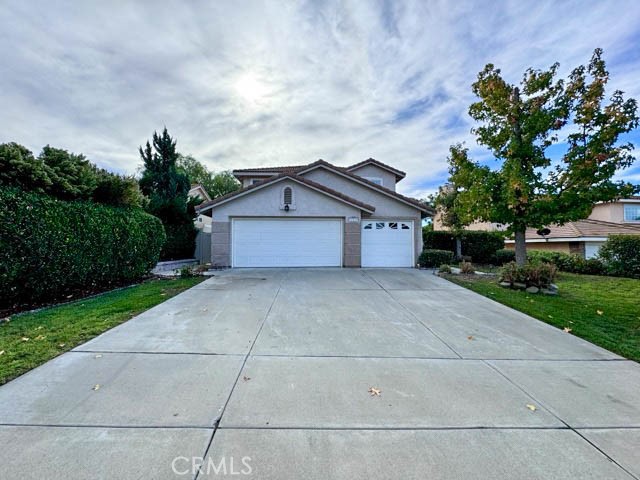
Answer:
(50, 248)
(480, 246)
(569, 263)
(434, 258)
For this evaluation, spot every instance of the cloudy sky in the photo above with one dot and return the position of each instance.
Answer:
(243, 84)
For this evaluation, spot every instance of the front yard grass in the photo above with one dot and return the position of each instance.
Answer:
(602, 310)
(32, 338)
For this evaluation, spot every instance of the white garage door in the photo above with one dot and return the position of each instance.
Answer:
(387, 243)
(287, 243)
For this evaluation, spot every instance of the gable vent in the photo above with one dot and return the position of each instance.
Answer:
(287, 196)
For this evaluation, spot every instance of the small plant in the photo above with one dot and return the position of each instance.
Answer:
(444, 268)
(467, 268)
(432, 258)
(187, 272)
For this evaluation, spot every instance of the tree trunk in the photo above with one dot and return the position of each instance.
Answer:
(458, 248)
(521, 248)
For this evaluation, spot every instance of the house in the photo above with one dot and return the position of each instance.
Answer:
(585, 237)
(316, 215)
(201, 222)
(582, 237)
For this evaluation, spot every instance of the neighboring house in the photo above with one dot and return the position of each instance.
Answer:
(317, 215)
(202, 222)
(582, 237)
(585, 237)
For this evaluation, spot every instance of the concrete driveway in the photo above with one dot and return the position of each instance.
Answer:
(267, 374)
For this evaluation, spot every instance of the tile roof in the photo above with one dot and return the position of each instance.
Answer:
(296, 169)
(416, 203)
(297, 178)
(399, 173)
(585, 228)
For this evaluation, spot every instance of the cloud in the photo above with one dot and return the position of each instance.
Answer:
(255, 83)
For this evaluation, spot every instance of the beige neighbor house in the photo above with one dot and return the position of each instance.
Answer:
(582, 237)
(317, 215)
(202, 222)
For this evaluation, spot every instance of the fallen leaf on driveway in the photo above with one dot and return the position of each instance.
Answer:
(531, 407)
(96, 387)
(98, 356)
(566, 330)
(246, 379)
(374, 391)
(470, 337)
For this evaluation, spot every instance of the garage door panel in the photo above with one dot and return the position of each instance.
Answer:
(287, 243)
(387, 243)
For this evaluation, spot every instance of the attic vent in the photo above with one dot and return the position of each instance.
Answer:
(287, 196)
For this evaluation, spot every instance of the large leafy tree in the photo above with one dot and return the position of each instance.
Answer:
(519, 124)
(445, 204)
(167, 188)
(216, 184)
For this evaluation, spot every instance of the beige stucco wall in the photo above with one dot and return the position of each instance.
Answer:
(386, 207)
(266, 202)
(608, 212)
(388, 178)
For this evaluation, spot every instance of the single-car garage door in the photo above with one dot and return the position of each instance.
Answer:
(387, 243)
(286, 243)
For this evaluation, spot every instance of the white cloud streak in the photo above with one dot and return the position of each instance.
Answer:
(243, 84)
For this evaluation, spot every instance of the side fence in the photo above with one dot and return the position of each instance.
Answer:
(203, 247)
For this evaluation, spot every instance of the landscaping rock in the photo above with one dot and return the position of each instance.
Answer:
(505, 284)
(547, 291)
(553, 287)
(519, 286)
(532, 290)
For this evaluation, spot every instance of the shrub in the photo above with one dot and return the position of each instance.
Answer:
(480, 246)
(467, 267)
(50, 248)
(621, 255)
(433, 257)
(181, 241)
(569, 263)
(444, 268)
(504, 256)
(532, 274)
(187, 272)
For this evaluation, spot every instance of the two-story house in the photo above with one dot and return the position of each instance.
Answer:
(317, 214)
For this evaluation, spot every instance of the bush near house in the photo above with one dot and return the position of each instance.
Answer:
(569, 263)
(504, 256)
(621, 255)
(433, 258)
(51, 248)
(532, 274)
(480, 246)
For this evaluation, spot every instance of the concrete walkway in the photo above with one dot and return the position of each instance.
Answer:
(269, 371)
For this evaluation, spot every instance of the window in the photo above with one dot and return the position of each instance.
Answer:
(631, 213)
(255, 180)
(393, 226)
(376, 180)
(379, 225)
(368, 226)
(405, 226)
(287, 196)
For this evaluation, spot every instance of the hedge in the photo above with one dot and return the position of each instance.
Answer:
(181, 241)
(434, 258)
(569, 263)
(51, 248)
(480, 246)
(621, 255)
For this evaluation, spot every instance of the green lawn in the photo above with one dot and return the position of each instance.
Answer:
(30, 339)
(602, 310)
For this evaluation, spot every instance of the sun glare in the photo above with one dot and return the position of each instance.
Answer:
(250, 88)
